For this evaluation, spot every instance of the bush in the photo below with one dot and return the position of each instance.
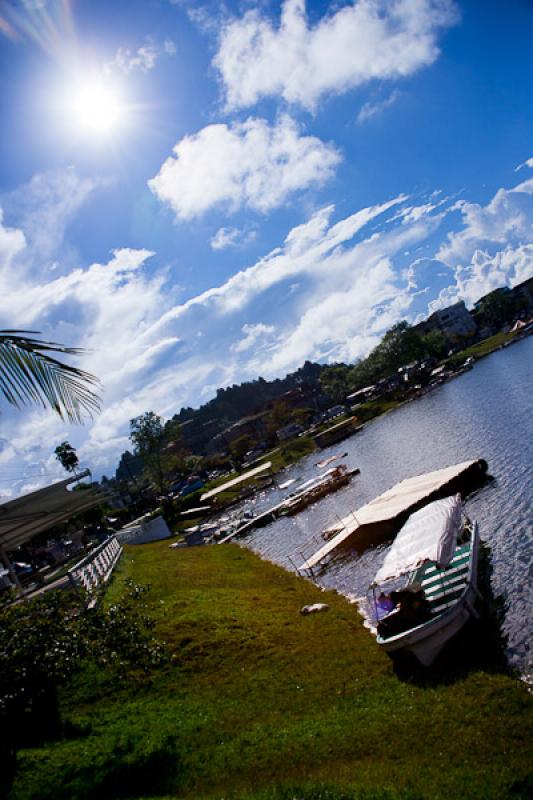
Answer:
(43, 641)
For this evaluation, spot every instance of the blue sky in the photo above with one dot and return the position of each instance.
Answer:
(201, 193)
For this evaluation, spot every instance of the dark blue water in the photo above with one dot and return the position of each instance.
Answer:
(485, 413)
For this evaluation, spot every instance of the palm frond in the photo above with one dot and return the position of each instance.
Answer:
(29, 375)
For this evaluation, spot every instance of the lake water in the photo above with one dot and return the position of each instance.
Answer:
(485, 413)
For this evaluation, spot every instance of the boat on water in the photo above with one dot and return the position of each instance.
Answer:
(381, 518)
(426, 589)
(330, 460)
(313, 490)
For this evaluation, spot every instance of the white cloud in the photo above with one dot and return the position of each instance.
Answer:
(249, 164)
(506, 218)
(357, 43)
(486, 272)
(231, 237)
(328, 292)
(374, 108)
(144, 58)
(253, 333)
(527, 163)
(43, 208)
(12, 242)
(304, 250)
(494, 247)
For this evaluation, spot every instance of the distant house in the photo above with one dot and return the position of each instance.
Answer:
(452, 321)
(288, 431)
(363, 395)
(334, 411)
(415, 370)
(391, 382)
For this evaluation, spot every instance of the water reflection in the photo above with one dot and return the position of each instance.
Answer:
(485, 413)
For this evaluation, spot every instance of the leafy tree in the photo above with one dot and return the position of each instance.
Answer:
(435, 344)
(28, 374)
(130, 467)
(240, 447)
(495, 309)
(400, 346)
(302, 416)
(147, 434)
(278, 418)
(67, 456)
(334, 382)
(193, 463)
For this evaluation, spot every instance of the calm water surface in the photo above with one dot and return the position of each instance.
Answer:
(486, 413)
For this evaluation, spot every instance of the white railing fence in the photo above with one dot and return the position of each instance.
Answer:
(97, 566)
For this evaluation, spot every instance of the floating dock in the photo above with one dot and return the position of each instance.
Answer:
(325, 484)
(381, 519)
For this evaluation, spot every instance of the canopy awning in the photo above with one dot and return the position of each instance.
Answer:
(429, 534)
(235, 481)
(23, 518)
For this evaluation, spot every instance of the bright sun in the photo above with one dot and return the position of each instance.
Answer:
(96, 108)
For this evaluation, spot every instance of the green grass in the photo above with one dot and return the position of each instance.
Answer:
(291, 451)
(482, 348)
(259, 702)
(374, 408)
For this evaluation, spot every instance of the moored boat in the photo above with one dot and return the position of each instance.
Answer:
(432, 569)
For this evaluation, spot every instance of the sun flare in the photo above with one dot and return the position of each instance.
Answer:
(96, 108)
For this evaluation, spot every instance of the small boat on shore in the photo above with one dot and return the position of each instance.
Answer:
(431, 568)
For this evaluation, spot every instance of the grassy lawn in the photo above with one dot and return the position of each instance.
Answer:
(482, 348)
(374, 408)
(259, 702)
(291, 451)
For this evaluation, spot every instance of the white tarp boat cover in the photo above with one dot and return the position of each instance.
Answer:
(429, 534)
(388, 506)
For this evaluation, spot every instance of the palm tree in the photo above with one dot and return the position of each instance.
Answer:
(29, 375)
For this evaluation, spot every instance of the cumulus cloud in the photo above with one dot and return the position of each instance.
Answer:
(486, 272)
(143, 59)
(357, 43)
(493, 248)
(250, 164)
(506, 218)
(105, 309)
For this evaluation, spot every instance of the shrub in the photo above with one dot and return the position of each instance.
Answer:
(43, 641)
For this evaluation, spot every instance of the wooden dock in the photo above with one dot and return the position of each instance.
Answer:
(274, 512)
(384, 516)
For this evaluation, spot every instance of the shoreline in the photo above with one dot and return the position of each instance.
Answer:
(282, 462)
